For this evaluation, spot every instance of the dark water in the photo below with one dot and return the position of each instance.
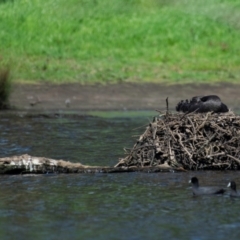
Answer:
(104, 206)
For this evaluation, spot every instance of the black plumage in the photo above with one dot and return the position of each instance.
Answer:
(202, 104)
(197, 190)
(234, 192)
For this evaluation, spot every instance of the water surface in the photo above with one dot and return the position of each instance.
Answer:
(103, 206)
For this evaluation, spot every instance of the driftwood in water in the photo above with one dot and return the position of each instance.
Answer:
(189, 141)
(29, 164)
(26, 164)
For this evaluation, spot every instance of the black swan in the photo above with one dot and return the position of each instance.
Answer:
(197, 190)
(202, 104)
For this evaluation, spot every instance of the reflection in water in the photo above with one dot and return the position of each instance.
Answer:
(104, 206)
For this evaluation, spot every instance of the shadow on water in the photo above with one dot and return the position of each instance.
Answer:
(103, 206)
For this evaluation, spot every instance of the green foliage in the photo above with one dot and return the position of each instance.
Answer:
(4, 1)
(5, 87)
(121, 40)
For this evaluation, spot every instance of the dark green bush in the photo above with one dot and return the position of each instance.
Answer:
(5, 88)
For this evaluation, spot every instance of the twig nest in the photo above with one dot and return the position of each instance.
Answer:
(190, 141)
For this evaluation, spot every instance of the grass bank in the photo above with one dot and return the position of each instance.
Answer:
(121, 40)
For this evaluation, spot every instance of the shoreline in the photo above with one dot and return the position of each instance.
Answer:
(115, 97)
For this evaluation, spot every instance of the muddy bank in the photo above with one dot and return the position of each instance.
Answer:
(125, 96)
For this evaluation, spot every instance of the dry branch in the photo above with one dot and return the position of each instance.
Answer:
(192, 141)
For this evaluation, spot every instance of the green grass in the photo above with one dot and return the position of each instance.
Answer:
(87, 41)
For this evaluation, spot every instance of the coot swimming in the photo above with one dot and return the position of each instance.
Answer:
(197, 190)
(234, 192)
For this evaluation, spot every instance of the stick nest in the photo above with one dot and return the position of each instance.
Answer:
(189, 141)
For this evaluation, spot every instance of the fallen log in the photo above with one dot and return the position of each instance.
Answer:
(26, 164)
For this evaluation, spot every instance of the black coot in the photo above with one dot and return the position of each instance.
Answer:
(204, 190)
(234, 192)
(202, 104)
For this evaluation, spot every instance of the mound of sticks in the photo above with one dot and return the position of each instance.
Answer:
(193, 141)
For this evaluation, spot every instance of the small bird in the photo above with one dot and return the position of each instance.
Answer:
(202, 104)
(197, 190)
(67, 102)
(234, 192)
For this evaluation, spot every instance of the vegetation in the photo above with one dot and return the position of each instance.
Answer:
(5, 87)
(121, 40)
